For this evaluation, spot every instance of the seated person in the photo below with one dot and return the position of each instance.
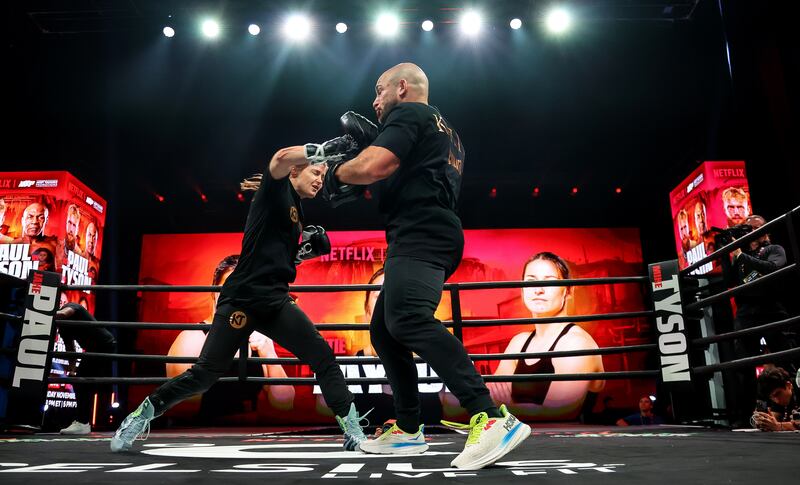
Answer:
(644, 417)
(783, 412)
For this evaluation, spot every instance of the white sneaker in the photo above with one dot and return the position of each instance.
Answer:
(395, 441)
(77, 428)
(489, 439)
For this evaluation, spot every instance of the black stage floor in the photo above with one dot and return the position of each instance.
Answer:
(564, 455)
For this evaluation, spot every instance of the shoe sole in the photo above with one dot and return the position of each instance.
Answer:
(400, 450)
(520, 436)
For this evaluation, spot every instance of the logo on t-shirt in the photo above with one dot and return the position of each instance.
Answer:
(293, 214)
(238, 319)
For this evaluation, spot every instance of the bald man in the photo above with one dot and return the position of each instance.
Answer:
(34, 220)
(418, 158)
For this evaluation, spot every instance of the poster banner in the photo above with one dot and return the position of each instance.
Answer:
(356, 258)
(715, 196)
(51, 221)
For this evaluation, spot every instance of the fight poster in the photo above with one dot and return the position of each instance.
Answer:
(714, 197)
(51, 221)
(357, 258)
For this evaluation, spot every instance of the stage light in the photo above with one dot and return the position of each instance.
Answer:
(297, 27)
(203, 198)
(535, 192)
(387, 25)
(254, 29)
(471, 22)
(652, 398)
(493, 192)
(515, 24)
(618, 190)
(574, 191)
(115, 405)
(240, 197)
(159, 197)
(558, 20)
(168, 32)
(210, 28)
(341, 27)
(427, 26)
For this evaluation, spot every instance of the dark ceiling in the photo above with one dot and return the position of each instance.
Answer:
(633, 97)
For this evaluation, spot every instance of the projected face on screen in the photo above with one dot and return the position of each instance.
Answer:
(547, 301)
(34, 218)
(700, 218)
(734, 201)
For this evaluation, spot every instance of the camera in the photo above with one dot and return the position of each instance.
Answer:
(727, 236)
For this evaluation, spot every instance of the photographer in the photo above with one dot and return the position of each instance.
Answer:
(775, 387)
(760, 305)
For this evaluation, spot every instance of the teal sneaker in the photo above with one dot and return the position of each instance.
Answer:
(136, 424)
(351, 427)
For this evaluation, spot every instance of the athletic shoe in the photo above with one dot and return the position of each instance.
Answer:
(351, 427)
(77, 428)
(395, 441)
(136, 424)
(489, 439)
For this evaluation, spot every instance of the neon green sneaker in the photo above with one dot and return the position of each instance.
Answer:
(489, 439)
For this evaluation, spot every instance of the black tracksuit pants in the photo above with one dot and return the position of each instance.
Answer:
(287, 325)
(403, 322)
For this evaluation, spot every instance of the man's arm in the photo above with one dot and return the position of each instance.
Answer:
(371, 165)
(776, 259)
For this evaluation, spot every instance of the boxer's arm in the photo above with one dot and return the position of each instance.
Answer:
(374, 163)
(284, 159)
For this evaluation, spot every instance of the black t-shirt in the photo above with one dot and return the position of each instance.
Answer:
(419, 199)
(91, 338)
(751, 266)
(271, 238)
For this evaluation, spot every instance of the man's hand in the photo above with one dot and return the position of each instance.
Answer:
(766, 421)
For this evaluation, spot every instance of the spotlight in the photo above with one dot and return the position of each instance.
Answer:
(341, 27)
(240, 197)
(297, 27)
(515, 24)
(427, 26)
(535, 192)
(254, 29)
(210, 28)
(115, 405)
(558, 20)
(471, 22)
(574, 191)
(387, 25)
(618, 190)
(652, 398)
(159, 197)
(168, 32)
(493, 192)
(203, 198)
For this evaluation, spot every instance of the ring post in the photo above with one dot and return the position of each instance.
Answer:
(27, 395)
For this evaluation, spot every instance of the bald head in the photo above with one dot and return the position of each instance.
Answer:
(403, 83)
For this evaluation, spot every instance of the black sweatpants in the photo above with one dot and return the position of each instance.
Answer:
(403, 322)
(287, 325)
